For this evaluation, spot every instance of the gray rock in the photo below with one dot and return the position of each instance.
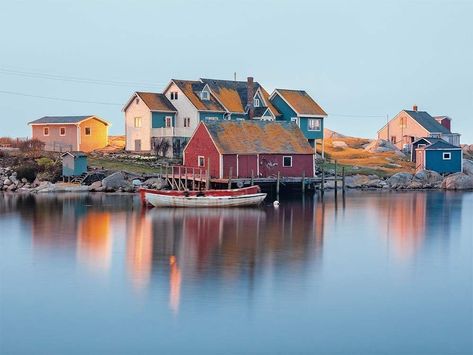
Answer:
(425, 179)
(11, 188)
(399, 180)
(468, 167)
(96, 186)
(114, 181)
(155, 183)
(24, 180)
(458, 181)
(136, 182)
(382, 145)
(7, 182)
(339, 144)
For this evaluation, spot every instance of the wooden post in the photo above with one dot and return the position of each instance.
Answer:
(208, 173)
(322, 185)
(336, 182)
(200, 179)
(303, 182)
(230, 178)
(277, 183)
(193, 178)
(179, 178)
(252, 177)
(185, 178)
(343, 179)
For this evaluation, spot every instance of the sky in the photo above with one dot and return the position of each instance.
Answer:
(362, 61)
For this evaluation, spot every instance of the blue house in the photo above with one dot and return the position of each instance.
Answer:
(73, 164)
(439, 156)
(297, 106)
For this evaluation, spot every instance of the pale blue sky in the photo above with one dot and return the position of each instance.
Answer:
(356, 58)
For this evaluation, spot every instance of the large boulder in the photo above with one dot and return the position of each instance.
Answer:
(114, 181)
(425, 179)
(468, 167)
(339, 144)
(357, 181)
(155, 183)
(458, 181)
(399, 180)
(96, 186)
(7, 182)
(382, 145)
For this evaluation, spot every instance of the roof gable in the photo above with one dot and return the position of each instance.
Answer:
(65, 120)
(257, 137)
(301, 102)
(429, 123)
(441, 144)
(191, 89)
(156, 101)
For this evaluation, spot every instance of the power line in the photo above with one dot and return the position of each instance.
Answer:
(360, 116)
(59, 98)
(75, 79)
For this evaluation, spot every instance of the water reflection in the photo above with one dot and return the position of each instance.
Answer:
(223, 246)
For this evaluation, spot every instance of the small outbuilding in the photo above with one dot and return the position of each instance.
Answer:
(250, 148)
(73, 164)
(438, 155)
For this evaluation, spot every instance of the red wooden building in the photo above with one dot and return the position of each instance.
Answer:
(261, 147)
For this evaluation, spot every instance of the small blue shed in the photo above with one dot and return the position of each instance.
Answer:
(440, 156)
(74, 164)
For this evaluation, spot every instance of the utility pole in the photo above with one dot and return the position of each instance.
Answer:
(234, 76)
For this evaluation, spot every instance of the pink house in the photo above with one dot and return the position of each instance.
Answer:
(71, 133)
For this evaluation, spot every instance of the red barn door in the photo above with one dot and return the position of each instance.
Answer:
(246, 164)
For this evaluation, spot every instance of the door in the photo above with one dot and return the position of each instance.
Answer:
(138, 145)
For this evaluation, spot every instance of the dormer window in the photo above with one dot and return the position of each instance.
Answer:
(204, 95)
(256, 103)
(173, 95)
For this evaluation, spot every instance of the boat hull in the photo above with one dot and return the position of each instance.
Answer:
(160, 200)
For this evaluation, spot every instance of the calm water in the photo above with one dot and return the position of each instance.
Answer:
(375, 273)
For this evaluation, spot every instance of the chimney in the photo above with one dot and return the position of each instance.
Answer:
(250, 93)
(414, 108)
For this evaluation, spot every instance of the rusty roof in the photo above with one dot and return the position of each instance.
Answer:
(156, 102)
(258, 137)
(301, 101)
(192, 90)
(234, 94)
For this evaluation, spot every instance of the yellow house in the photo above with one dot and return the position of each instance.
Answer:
(71, 133)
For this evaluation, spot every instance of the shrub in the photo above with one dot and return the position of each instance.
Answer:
(27, 171)
(45, 163)
(31, 145)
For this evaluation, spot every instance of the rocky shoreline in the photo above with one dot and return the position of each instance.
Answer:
(123, 182)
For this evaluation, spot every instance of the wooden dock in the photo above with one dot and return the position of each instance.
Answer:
(186, 178)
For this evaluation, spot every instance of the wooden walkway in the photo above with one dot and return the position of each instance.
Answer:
(186, 178)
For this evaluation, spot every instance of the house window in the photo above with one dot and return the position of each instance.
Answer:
(212, 118)
(295, 120)
(173, 95)
(46, 131)
(287, 161)
(201, 161)
(313, 124)
(393, 139)
(168, 121)
(137, 101)
(62, 131)
(447, 156)
(187, 122)
(137, 122)
(256, 103)
(87, 131)
(403, 122)
(421, 146)
(205, 95)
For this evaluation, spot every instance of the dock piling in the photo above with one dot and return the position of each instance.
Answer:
(343, 179)
(336, 177)
(303, 182)
(322, 184)
(230, 178)
(252, 177)
(277, 183)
